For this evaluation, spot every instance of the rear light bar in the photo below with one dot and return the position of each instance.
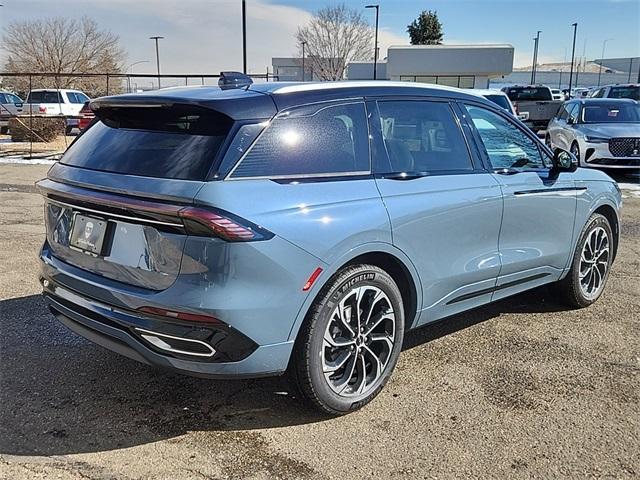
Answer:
(187, 316)
(199, 221)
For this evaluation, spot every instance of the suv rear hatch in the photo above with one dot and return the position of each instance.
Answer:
(120, 202)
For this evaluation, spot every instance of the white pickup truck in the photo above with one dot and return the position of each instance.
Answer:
(58, 103)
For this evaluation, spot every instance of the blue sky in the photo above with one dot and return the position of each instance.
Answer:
(204, 35)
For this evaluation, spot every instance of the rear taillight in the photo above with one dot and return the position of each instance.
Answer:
(201, 221)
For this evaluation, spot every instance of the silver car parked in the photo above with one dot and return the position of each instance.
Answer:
(601, 133)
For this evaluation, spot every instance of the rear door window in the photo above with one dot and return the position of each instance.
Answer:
(180, 143)
(625, 92)
(318, 140)
(422, 136)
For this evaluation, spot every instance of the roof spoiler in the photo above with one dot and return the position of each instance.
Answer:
(229, 80)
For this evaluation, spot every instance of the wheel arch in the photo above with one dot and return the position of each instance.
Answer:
(612, 216)
(383, 255)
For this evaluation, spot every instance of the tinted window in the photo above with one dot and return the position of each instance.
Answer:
(422, 136)
(13, 98)
(77, 97)
(501, 101)
(525, 94)
(3, 99)
(165, 143)
(574, 109)
(625, 92)
(506, 145)
(598, 93)
(314, 140)
(44, 97)
(611, 113)
(563, 113)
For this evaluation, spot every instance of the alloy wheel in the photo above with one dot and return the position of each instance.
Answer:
(358, 341)
(594, 263)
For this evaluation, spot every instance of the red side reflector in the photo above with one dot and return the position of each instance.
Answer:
(316, 273)
(189, 317)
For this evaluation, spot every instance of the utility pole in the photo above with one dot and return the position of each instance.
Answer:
(244, 36)
(156, 38)
(573, 55)
(604, 44)
(375, 46)
(303, 45)
(535, 57)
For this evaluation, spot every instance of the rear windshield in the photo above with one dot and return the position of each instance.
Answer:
(44, 97)
(151, 142)
(525, 93)
(611, 113)
(500, 100)
(625, 92)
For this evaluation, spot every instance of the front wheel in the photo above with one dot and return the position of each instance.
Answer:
(350, 341)
(575, 149)
(592, 260)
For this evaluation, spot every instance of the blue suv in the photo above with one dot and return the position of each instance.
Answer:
(304, 228)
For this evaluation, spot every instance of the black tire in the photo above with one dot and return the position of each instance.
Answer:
(4, 130)
(570, 288)
(310, 350)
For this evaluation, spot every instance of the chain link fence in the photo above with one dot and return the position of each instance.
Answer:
(41, 125)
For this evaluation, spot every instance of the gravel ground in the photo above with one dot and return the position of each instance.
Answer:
(523, 388)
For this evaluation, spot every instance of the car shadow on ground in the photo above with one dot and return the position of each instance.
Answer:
(60, 394)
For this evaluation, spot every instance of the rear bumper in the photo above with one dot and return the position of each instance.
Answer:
(115, 330)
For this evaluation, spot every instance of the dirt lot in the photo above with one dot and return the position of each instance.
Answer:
(519, 389)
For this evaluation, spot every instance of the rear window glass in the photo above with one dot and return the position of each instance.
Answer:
(501, 101)
(44, 97)
(625, 92)
(314, 140)
(532, 94)
(152, 142)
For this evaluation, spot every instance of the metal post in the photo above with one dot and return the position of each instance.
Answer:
(604, 43)
(156, 38)
(30, 122)
(630, 68)
(244, 36)
(303, 45)
(573, 53)
(535, 57)
(107, 84)
(375, 45)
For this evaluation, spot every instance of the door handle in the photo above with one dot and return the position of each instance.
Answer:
(506, 171)
(405, 176)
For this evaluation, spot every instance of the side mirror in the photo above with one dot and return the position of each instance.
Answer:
(564, 161)
(570, 120)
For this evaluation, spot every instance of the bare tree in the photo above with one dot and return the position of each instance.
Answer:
(62, 45)
(334, 37)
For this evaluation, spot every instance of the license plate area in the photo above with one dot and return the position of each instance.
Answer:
(88, 234)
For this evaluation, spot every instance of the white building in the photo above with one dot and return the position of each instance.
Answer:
(464, 66)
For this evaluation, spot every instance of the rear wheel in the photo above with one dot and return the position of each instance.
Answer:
(351, 340)
(589, 272)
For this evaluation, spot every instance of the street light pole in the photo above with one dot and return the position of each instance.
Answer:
(375, 46)
(535, 57)
(604, 44)
(573, 54)
(156, 38)
(303, 45)
(130, 70)
(244, 36)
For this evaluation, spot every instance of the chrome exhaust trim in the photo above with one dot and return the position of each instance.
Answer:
(156, 339)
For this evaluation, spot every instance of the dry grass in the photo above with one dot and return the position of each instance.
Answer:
(59, 145)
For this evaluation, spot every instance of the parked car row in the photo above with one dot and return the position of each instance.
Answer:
(65, 103)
